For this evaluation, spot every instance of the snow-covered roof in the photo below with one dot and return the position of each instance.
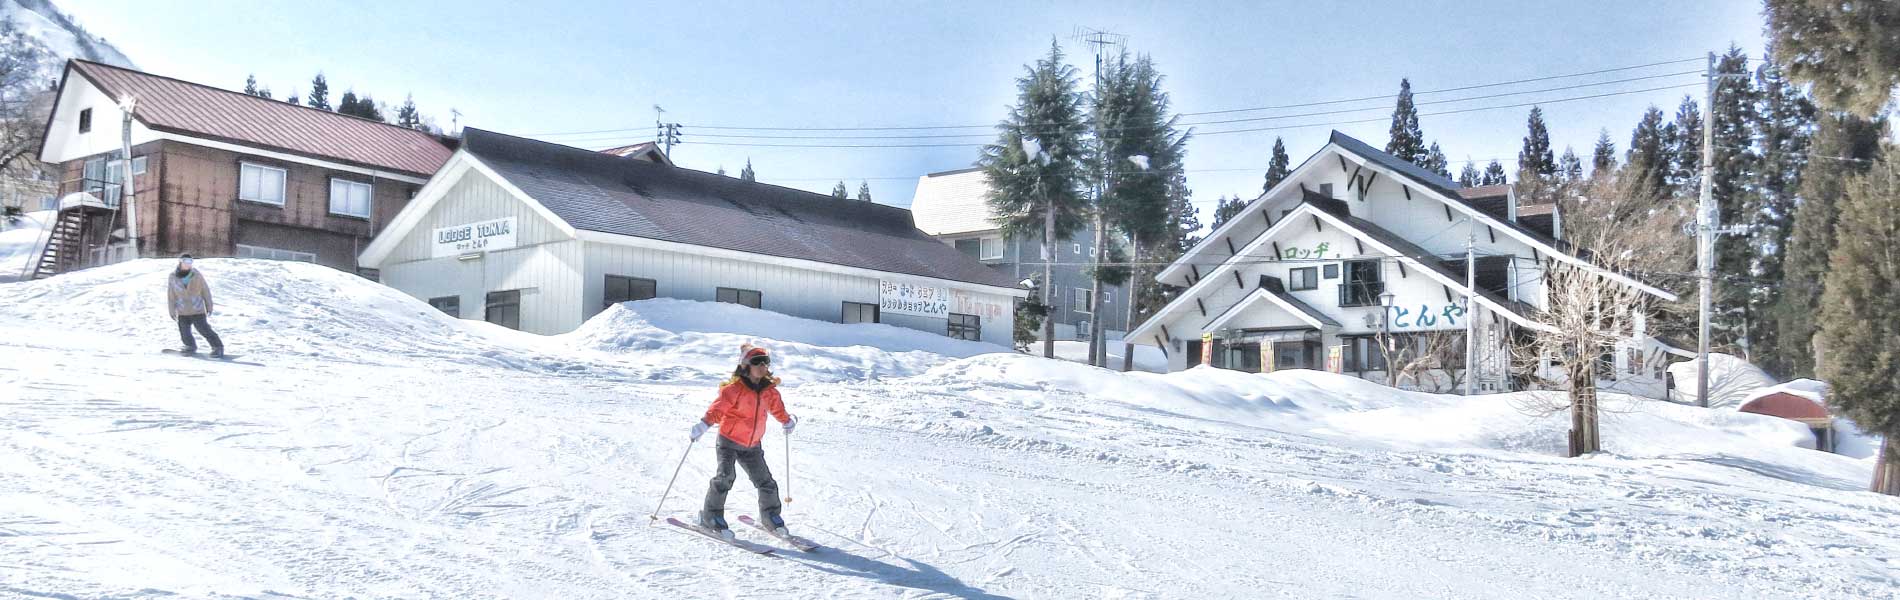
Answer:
(952, 202)
(1805, 388)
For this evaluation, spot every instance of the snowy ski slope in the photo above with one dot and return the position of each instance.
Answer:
(366, 446)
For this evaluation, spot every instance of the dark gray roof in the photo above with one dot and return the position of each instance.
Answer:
(1439, 184)
(612, 194)
(1273, 286)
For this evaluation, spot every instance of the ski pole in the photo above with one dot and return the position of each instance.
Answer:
(788, 469)
(669, 483)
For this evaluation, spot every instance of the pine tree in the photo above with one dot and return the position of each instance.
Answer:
(1846, 50)
(1647, 167)
(1851, 141)
(319, 93)
(1535, 161)
(722, 170)
(1407, 141)
(1278, 166)
(1569, 167)
(348, 105)
(747, 174)
(1436, 163)
(1784, 120)
(1035, 167)
(1731, 127)
(1858, 329)
(1684, 140)
(1469, 176)
(292, 98)
(1603, 156)
(1225, 209)
(1494, 174)
(864, 191)
(839, 191)
(250, 84)
(367, 108)
(1184, 223)
(408, 116)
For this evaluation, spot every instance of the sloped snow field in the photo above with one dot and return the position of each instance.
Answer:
(365, 446)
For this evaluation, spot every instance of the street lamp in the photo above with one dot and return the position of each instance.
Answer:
(1386, 299)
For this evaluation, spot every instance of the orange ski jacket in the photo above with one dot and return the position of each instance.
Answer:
(740, 412)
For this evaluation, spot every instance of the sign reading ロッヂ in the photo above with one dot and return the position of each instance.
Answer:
(912, 299)
(457, 240)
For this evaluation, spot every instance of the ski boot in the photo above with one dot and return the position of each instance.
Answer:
(715, 521)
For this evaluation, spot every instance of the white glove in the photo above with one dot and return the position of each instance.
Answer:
(699, 429)
(790, 422)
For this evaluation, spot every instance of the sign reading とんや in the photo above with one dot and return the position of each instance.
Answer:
(912, 299)
(456, 240)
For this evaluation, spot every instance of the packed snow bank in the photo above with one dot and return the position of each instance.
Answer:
(700, 341)
(1731, 380)
(1147, 358)
(20, 242)
(283, 307)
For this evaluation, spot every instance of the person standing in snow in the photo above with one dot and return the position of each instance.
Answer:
(189, 299)
(739, 413)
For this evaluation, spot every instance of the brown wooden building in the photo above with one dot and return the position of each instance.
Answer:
(220, 173)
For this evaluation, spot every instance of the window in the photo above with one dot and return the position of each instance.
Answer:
(1082, 298)
(971, 247)
(965, 327)
(1361, 354)
(85, 121)
(859, 312)
(349, 198)
(737, 296)
(992, 248)
(1363, 285)
(1326, 189)
(258, 183)
(138, 165)
(1077, 247)
(1108, 296)
(1084, 330)
(627, 289)
(116, 168)
(504, 309)
(449, 305)
(1332, 271)
(1306, 278)
(244, 251)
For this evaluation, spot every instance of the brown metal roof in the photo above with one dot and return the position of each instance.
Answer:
(171, 105)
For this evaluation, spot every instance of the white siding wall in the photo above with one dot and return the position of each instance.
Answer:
(63, 140)
(798, 292)
(548, 276)
(544, 265)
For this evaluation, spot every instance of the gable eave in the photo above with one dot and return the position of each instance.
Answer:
(459, 165)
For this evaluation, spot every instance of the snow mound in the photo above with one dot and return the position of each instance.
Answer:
(1147, 358)
(20, 243)
(279, 307)
(1731, 380)
(700, 341)
(1805, 388)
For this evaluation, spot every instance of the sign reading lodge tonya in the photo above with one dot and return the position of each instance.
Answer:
(912, 299)
(457, 240)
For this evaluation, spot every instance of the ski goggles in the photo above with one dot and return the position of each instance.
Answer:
(760, 361)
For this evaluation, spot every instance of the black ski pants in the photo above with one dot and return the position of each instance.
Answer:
(186, 322)
(753, 459)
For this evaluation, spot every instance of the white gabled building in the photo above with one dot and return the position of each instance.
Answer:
(1301, 277)
(539, 237)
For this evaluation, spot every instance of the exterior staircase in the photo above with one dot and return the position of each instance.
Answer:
(65, 245)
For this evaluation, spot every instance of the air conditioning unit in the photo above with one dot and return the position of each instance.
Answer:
(1371, 321)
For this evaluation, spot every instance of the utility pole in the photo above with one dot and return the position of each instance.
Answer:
(665, 134)
(1471, 305)
(1706, 230)
(125, 187)
(1098, 350)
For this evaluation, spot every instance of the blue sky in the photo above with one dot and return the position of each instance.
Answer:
(586, 66)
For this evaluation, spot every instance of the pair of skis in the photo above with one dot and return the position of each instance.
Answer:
(802, 544)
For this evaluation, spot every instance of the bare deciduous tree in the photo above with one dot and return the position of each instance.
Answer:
(1587, 313)
(23, 101)
(1434, 361)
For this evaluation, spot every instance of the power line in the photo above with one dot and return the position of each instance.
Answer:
(1231, 131)
(1221, 122)
(1226, 111)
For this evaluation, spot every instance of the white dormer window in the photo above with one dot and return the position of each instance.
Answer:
(349, 198)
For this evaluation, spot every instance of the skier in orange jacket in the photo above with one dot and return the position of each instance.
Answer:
(740, 412)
